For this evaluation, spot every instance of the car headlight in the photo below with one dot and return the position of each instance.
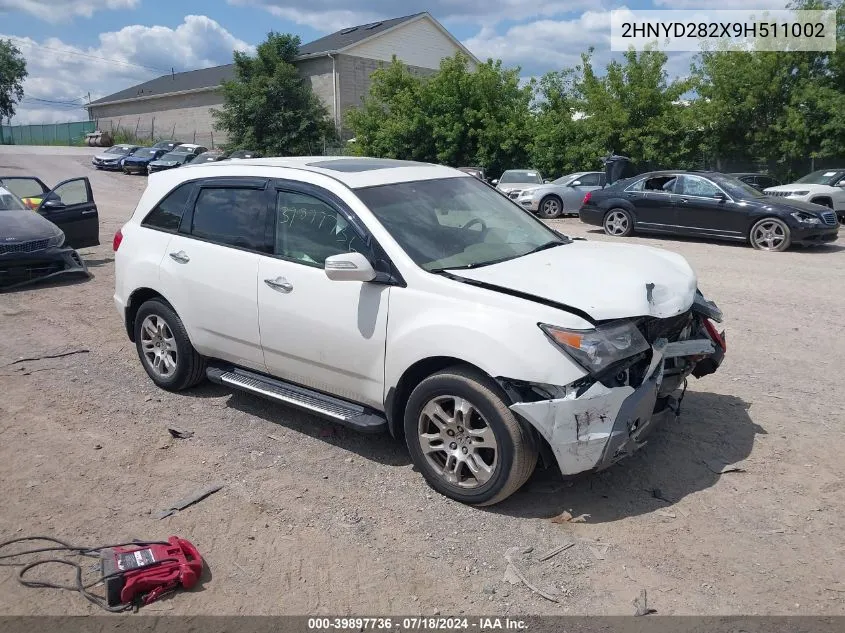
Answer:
(806, 218)
(798, 193)
(57, 240)
(599, 348)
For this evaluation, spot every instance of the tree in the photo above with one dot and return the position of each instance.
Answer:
(459, 116)
(12, 73)
(269, 107)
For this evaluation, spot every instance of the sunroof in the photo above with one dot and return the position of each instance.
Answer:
(351, 165)
(345, 31)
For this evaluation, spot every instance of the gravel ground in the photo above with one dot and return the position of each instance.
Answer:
(317, 519)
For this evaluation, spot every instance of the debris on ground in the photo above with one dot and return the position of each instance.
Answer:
(666, 513)
(554, 552)
(719, 467)
(46, 356)
(566, 517)
(599, 552)
(514, 570)
(275, 437)
(180, 435)
(191, 499)
(641, 603)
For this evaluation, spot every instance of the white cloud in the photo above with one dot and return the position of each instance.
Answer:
(60, 72)
(61, 10)
(331, 15)
(719, 4)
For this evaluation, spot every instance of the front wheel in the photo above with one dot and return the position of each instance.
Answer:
(165, 349)
(465, 440)
(550, 207)
(618, 223)
(770, 234)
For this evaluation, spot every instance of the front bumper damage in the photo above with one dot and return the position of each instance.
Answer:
(29, 268)
(593, 428)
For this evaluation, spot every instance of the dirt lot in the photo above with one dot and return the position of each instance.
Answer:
(317, 519)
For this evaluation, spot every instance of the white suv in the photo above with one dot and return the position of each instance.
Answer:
(825, 187)
(385, 294)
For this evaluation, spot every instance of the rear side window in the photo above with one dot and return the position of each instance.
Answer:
(168, 213)
(590, 180)
(232, 216)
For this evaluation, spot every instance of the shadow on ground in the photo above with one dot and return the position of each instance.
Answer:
(712, 427)
(818, 249)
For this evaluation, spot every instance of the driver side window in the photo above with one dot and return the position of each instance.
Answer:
(308, 230)
(698, 186)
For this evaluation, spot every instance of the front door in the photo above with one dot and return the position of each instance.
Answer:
(703, 209)
(323, 334)
(210, 267)
(70, 206)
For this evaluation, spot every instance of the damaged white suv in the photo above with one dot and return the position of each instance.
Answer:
(383, 294)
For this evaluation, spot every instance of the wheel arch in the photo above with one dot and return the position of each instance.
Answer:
(825, 201)
(136, 300)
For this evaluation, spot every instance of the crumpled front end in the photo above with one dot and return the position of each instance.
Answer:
(599, 420)
(21, 269)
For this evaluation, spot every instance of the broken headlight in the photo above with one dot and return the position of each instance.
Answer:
(57, 240)
(599, 348)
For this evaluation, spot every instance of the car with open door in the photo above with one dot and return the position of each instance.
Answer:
(710, 205)
(411, 298)
(69, 205)
(32, 248)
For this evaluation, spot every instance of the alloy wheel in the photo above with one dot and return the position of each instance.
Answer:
(457, 442)
(551, 207)
(159, 346)
(616, 223)
(769, 236)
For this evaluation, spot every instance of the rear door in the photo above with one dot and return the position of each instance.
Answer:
(652, 200)
(70, 205)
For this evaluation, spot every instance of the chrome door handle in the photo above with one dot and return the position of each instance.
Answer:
(684, 200)
(180, 257)
(279, 283)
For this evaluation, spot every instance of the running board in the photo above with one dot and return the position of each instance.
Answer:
(343, 412)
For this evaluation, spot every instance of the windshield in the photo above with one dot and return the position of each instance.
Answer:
(563, 180)
(737, 189)
(9, 201)
(518, 175)
(118, 149)
(145, 152)
(456, 223)
(182, 150)
(822, 177)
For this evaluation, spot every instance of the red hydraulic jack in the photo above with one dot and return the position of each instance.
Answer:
(139, 575)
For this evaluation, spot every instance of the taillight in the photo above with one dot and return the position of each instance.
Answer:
(118, 238)
(717, 338)
(587, 197)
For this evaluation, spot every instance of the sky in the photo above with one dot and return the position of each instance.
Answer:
(75, 48)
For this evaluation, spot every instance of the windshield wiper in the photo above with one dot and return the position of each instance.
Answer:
(542, 247)
(546, 246)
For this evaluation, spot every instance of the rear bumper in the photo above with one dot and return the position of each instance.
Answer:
(591, 215)
(29, 268)
(135, 168)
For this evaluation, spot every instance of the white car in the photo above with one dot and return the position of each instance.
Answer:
(384, 294)
(825, 187)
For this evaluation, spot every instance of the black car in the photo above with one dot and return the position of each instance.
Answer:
(138, 162)
(209, 157)
(758, 181)
(240, 154)
(41, 227)
(707, 204)
(176, 157)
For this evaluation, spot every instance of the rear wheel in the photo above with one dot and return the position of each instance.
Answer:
(619, 223)
(770, 234)
(165, 349)
(551, 207)
(465, 440)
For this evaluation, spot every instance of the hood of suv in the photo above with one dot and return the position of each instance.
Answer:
(801, 187)
(607, 281)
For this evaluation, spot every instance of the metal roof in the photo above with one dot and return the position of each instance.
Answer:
(207, 78)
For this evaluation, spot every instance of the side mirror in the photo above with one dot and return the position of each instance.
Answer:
(53, 203)
(546, 182)
(576, 183)
(349, 267)
(494, 182)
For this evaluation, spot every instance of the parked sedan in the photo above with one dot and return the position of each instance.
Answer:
(209, 157)
(560, 196)
(240, 154)
(113, 157)
(515, 180)
(138, 162)
(177, 157)
(167, 145)
(707, 204)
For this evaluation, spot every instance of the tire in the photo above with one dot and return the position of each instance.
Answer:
(770, 234)
(492, 435)
(551, 207)
(180, 366)
(618, 223)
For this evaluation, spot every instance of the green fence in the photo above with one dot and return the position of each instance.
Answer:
(46, 134)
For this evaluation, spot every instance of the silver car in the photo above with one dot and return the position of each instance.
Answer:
(515, 180)
(559, 197)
